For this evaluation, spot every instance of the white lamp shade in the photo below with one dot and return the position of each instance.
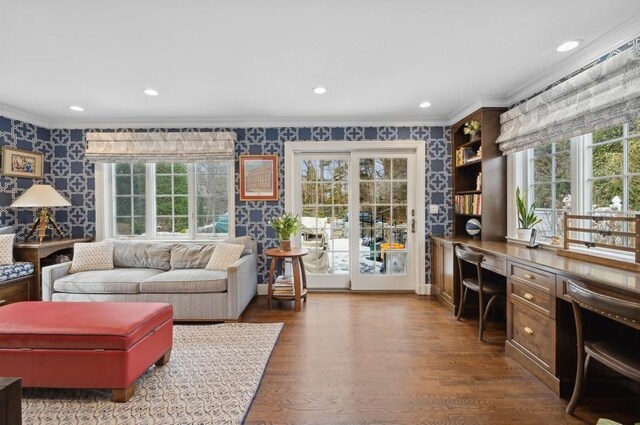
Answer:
(41, 195)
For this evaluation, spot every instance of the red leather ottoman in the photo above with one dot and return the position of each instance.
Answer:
(84, 344)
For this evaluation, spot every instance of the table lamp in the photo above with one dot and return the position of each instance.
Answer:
(41, 196)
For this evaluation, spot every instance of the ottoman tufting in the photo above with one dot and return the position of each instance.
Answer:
(84, 344)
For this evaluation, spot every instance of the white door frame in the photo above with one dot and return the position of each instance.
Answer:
(410, 146)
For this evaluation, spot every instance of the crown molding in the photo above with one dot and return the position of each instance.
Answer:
(22, 115)
(480, 102)
(245, 123)
(590, 52)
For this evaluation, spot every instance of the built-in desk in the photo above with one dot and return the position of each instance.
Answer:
(540, 327)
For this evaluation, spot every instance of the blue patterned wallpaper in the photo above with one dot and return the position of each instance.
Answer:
(67, 170)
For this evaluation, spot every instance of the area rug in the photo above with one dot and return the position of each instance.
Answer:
(212, 378)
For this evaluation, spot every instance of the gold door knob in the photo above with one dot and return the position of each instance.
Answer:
(529, 296)
(528, 330)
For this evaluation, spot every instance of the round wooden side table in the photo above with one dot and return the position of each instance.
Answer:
(299, 276)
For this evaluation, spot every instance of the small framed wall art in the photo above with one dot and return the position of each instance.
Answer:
(259, 177)
(21, 163)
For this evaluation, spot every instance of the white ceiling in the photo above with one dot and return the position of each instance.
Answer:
(254, 62)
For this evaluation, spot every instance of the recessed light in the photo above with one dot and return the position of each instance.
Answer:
(151, 92)
(319, 90)
(425, 104)
(568, 45)
(76, 108)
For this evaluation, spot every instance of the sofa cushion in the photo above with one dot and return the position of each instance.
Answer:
(116, 281)
(92, 256)
(142, 254)
(185, 281)
(242, 240)
(190, 255)
(15, 270)
(7, 230)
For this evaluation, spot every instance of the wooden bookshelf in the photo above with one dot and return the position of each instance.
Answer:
(467, 165)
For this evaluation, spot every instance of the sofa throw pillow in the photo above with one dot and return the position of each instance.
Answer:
(224, 255)
(6, 249)
(92, 256)
(190, 255)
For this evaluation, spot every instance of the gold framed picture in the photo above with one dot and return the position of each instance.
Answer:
(21, 163)
(259, 177)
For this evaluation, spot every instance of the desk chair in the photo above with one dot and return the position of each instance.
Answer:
(622, 357)
(475, 282)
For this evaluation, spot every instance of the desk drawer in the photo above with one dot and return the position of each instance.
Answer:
(534, 334)
(496, 264)
(529, 295)
(540, 279)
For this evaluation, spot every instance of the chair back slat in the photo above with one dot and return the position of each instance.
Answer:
(469, 256)
(623, 311)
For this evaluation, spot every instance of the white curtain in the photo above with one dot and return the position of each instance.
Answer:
(607, 94)
(189, 146)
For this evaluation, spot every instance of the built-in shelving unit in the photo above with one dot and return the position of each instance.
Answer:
(479, 176)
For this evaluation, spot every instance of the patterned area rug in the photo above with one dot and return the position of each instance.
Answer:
(212, 378)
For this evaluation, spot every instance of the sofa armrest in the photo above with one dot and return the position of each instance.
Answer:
(49, 276)
(242, 284)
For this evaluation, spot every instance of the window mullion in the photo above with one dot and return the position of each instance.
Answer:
(192, 201)
(625, 167)
(150, 200)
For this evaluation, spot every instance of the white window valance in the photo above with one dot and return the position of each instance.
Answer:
(192, 146)
(607, 94)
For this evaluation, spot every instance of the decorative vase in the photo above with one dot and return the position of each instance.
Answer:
(285, 245)
(475, 135)
(524, 234)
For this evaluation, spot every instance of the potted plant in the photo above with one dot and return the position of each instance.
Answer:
(527, 217)
(285, 226)
(472, 128)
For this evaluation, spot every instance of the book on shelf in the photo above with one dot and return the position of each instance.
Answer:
(468, 204)
(466, 155)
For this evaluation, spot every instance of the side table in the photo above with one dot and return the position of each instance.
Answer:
(299, 276)
(35, 251)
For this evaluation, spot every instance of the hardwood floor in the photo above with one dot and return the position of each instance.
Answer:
(350, 358)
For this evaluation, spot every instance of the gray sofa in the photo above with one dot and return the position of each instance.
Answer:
(163, 272)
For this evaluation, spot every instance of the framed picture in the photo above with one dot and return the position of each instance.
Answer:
(259, 177)
(20, 163)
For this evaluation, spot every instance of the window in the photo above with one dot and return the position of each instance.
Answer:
(169, 200)
(550, 186)
(597, 173)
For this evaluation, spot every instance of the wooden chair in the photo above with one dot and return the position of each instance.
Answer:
(475, 282)
(620, 356)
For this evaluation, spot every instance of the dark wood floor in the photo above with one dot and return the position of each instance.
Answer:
(351, 358)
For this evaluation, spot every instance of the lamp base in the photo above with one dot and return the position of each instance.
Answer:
(41, 223)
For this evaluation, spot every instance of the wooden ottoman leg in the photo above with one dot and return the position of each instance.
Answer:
(121, 395)
(164, 359)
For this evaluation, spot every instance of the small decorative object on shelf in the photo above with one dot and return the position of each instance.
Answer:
(473, 227)
(479, 181)
(285, 226)
(472, 128)
(527, 217)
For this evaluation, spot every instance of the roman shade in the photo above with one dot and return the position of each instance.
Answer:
(607, 94)
(191, 146)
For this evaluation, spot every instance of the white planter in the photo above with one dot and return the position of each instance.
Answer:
(524, 234)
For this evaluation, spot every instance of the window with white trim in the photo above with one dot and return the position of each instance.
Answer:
(169, 200)
(597, 173)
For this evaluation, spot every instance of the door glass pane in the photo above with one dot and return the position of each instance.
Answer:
(325, 201)
(383, 216)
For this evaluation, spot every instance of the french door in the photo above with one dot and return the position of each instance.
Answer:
(360, 215)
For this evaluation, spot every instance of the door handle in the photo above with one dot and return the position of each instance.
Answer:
(413, 225)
